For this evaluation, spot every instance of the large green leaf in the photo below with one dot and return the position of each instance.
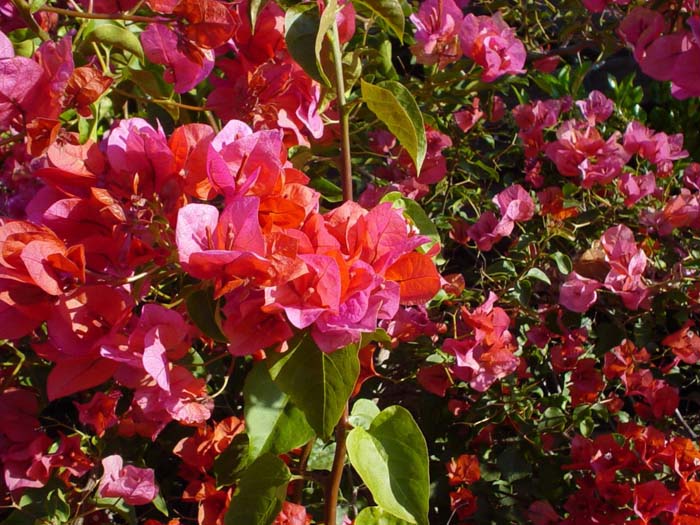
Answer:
(394, 105)
(392, 459)
(272, 422)
(261, 492)
(376, 516)
(388, 10)
(318, 383)
(301, 26)
(232, 462)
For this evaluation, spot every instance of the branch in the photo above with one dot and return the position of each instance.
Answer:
(333, 486)
(103, 16)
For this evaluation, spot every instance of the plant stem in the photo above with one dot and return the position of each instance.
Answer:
(303, 460)
(103, 16)
(26, 14)
(346, 164)
(333, 486)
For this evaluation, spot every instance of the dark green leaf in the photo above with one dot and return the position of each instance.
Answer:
(392, 459)
(513, 465)
(325, 24)
(261, 491)
(536, 273)
(272, 422)
(204, 312)
(389, 11)
(395, 106)
(232, 462)
(563, 262)
(318, 383)
(301, 24)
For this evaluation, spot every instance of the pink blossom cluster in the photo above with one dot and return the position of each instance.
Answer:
(276, 260)
(665, 52)
(515, 205)
(443, 35)
(399, 169)
(626, 262)
(486, 352)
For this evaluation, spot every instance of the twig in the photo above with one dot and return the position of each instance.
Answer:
(103, 16)
(337, 471)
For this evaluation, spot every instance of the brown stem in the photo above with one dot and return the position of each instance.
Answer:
(26, 14)
(104, 16)
(333, 486)
(303, 460)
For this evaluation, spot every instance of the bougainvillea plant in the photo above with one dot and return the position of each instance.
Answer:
(380, 262)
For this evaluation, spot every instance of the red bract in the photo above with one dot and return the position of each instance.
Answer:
(135, 485)
(274, 95)
(186, 65)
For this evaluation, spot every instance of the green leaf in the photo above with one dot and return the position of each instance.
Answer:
(318, 383)
(261, 491)
(390, 12)
(254, 8)
(563, 262)
(392, 459)
(322, 455)
(513, 465)
(536, 273)
(273, 423)
(204, 312)
(363, 413)
(301, 25)
(160, 504)
(376, 516)
(232, 462)
(395, 106)
(116, 36)
(324, 25)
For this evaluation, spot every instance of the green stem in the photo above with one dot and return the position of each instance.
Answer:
(346, 164)
(26, 14)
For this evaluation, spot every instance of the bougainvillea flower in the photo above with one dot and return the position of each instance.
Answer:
(210, 245)
(464, 469)
(100, 411)
(19, 80)
(492, 44)
(684, 343)
(515, 204)
(438, 24)
(186, 64)
(136, 486)
(596, 108)
(578, 293)
(275, 95)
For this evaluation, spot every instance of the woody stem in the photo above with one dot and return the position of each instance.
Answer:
(103, 16)
(333, 486)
